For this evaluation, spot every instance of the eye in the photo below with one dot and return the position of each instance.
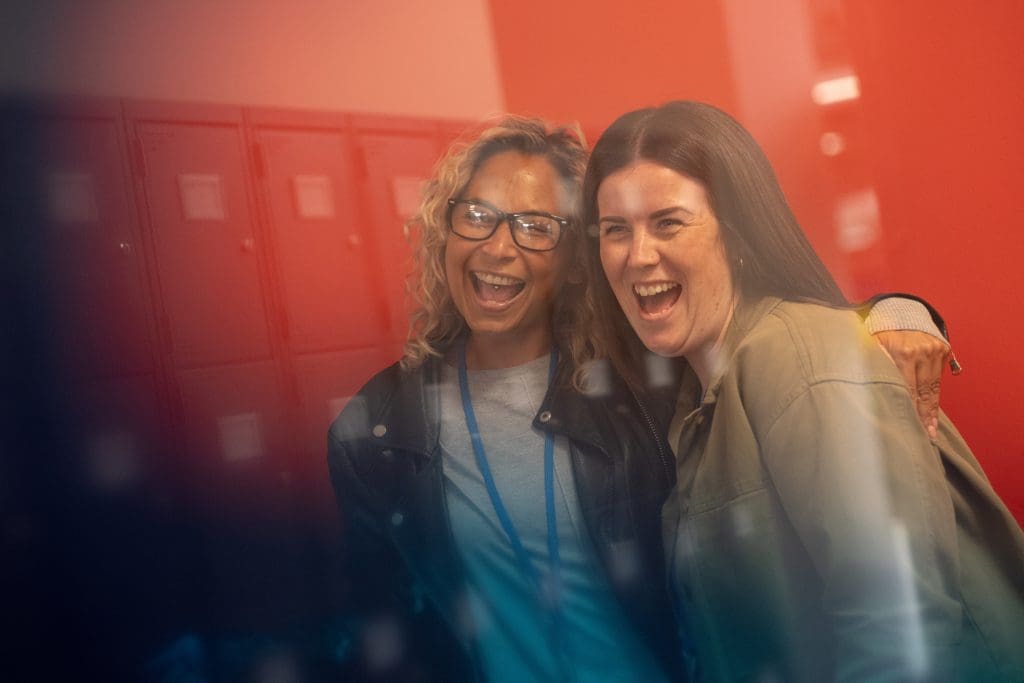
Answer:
(536, 225)
(669, 223)
(613, 230)
(473, 217)
(478, 215)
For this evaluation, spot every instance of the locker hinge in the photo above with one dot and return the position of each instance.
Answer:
(362, 166)
(139, 158)
(258, 162)
(168, 335)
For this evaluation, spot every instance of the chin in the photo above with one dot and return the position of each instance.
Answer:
(654, 345)
(668, 348)
(663, 351)
(491, 326)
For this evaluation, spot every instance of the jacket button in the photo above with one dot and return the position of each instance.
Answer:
(379, 430)
(397, 519)
(545, 416)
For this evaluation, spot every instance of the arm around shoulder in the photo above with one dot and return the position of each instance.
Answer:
(865, 492)
(861, 488)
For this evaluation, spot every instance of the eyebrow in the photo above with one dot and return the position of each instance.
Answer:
(477, 200)
(530, 212)
(657, 214)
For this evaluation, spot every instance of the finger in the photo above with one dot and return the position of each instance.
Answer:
(928, 384)
(919, 358)
(917, 375)
(909, 370)
(927, 393)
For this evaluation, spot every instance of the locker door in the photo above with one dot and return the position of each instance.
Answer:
(101, 319)
(238, 434)
(206, 246)
(199, 195)
(97, 261)
(328, 267)
(119, 425)
(327, 382)
(450, 131)
(398, 156)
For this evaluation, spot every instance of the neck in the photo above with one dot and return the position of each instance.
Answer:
(707, 361)
(490, 352)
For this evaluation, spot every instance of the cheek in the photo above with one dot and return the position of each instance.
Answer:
(452, 263)
(719, 278)
(724, 272)
(610, 260)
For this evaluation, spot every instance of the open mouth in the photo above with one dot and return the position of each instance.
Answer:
(496, 289)
(657, 297)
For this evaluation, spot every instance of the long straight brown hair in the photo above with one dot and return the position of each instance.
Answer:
(768, 253)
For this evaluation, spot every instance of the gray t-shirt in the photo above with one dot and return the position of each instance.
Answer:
(502, 607)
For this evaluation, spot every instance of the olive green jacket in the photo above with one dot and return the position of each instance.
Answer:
(815, 533)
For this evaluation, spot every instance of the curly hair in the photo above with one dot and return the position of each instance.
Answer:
(435, 322)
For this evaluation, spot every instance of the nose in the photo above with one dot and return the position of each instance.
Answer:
(643, 251)
(500, 244)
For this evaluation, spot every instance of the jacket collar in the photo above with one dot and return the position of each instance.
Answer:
(565, 410)
(410, 419)
(747, 314)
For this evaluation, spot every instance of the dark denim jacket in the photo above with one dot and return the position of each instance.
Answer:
(385, 465)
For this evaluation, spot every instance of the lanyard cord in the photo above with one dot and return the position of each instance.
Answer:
(549, 597)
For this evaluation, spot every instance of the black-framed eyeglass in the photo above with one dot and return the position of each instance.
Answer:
(473, 219)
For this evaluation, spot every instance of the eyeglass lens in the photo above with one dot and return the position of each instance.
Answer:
(476, 221)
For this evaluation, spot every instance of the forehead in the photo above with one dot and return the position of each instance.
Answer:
(513, 181)
(648, 186)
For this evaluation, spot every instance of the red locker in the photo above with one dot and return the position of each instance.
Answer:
(327, 266)
(236, 418)
(196, 180)
(194, 168)
(111, 384)
(396, 156)
(327, 383)
(120, 427)
(97, 259)
(450, 131)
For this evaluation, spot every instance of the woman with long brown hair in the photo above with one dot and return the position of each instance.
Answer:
(815, 531)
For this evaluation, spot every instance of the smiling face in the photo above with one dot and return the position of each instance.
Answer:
(503, 292)
(662, 253)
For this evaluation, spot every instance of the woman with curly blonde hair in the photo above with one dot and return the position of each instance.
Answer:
(474, 474)
(436, 322)
(500, 522)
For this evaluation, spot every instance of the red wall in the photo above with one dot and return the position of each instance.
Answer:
(935, 134)
(590, 62)
(943, 108)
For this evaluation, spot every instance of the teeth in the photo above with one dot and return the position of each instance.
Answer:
(651, 290)
(496, 280)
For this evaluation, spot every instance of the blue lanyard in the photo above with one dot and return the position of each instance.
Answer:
(549, 598)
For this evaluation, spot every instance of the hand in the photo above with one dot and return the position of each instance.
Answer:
(919, 357)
